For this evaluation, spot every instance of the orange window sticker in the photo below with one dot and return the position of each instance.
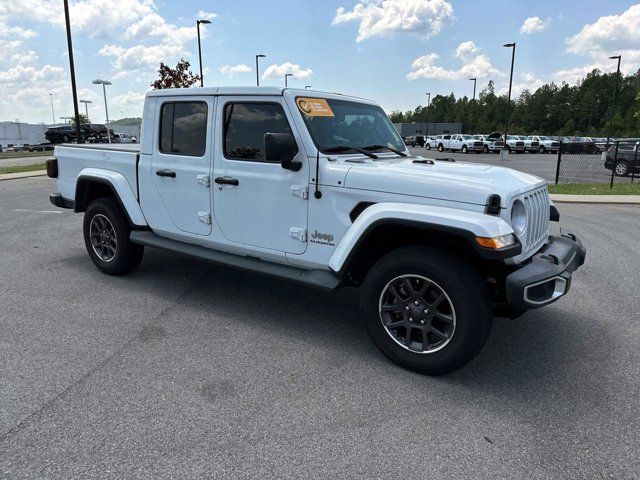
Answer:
(314, 107)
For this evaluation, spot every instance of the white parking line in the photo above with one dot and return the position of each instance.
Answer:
(36, 211)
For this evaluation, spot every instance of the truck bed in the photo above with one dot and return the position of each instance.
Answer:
(75, 160)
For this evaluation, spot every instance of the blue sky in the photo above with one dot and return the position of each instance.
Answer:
(392, 51)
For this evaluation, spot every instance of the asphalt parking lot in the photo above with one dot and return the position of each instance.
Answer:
(184, 369)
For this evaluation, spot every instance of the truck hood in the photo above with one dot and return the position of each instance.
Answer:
(453, 181)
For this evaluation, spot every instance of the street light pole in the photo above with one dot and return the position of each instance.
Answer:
(104, 83)
(504, 152)
(286, 77)
(258, 69)
(53, 113)
(473, 102)
(72, 72)
(615, 91)
(428, 94)
(86, 107)
(200, 48)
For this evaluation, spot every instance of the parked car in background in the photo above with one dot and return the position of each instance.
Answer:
(430, 142)
(545, 144)
(515, 144)
(623, 158)
(491, 143)
(531, 144)
(415, 140)
(124, 138)
(460, 142)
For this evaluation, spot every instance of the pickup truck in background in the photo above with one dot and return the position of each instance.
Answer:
(515, 144)
(459, 142)
(491, 143)
(545, 144)
(319, 189)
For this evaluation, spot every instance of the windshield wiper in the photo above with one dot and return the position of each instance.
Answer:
(345, 148)
(379, 147)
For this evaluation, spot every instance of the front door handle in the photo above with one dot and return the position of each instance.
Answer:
(227, 181)
(166, 173)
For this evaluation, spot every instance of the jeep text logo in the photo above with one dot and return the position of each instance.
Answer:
(318, 237)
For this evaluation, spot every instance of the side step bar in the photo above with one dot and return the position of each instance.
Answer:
(322, 279)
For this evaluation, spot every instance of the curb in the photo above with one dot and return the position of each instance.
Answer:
(14, 176)
(596, 199)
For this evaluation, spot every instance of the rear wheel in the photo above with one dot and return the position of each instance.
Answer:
(622, 168)
(106, 237)
(440, 148)
(428, 146)
(426, 309)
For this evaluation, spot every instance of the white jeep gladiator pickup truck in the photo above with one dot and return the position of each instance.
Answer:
(319, 189)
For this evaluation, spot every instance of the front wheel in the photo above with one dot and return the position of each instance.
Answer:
(428, 146)
(464, 149)
(106, 237)
(485, 149)
(426, 309)
(542, 149)
(440, 148)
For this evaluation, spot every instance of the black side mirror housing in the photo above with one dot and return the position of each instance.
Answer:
(282, 148)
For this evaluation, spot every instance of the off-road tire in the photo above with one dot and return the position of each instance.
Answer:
(110, 248)
(469, 304)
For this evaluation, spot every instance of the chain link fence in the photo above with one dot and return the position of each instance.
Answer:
(614, 163)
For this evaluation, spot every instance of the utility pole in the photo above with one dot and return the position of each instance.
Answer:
(72, 71)
(428, 94)
(53, 113)
(473, 102)
(200, 48)
(258, 69)
(615, 92)
(504, 153)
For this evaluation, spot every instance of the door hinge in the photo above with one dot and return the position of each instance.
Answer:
(298, 233)
(204, 217)
(301, 191)
(204, 180)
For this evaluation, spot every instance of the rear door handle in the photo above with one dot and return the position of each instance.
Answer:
(227, 181)
(166, 173)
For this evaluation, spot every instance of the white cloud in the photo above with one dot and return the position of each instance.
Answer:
(525, 81)
(202, 15)
(232, 70)
(278, 71)
(474, 64)
(385, 17)
(534, 25)
(21, 75)
(609, 35)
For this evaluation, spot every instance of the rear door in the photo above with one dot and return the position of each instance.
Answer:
(181, 162)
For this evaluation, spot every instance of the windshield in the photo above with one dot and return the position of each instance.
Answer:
(340, 123)
(467, 137)
(544, 139)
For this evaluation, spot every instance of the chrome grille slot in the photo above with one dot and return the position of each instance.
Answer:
(536, 205)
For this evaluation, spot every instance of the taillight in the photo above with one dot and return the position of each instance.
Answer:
(52, 167)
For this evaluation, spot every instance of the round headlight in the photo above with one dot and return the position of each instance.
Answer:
(518, 217)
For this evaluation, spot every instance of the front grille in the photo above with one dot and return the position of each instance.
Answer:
(555, 144)
(535, 144)
(478, 144)
(537, 206)
(519, 144)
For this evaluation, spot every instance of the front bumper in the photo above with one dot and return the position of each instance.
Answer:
(547, 276)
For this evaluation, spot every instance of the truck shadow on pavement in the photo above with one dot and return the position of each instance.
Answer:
(537, 352)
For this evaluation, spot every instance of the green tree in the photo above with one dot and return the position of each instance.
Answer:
(178, 77)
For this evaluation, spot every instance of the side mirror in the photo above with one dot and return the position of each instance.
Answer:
(281, 147)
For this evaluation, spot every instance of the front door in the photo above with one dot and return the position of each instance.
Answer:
(256, 202)
(181, 163)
